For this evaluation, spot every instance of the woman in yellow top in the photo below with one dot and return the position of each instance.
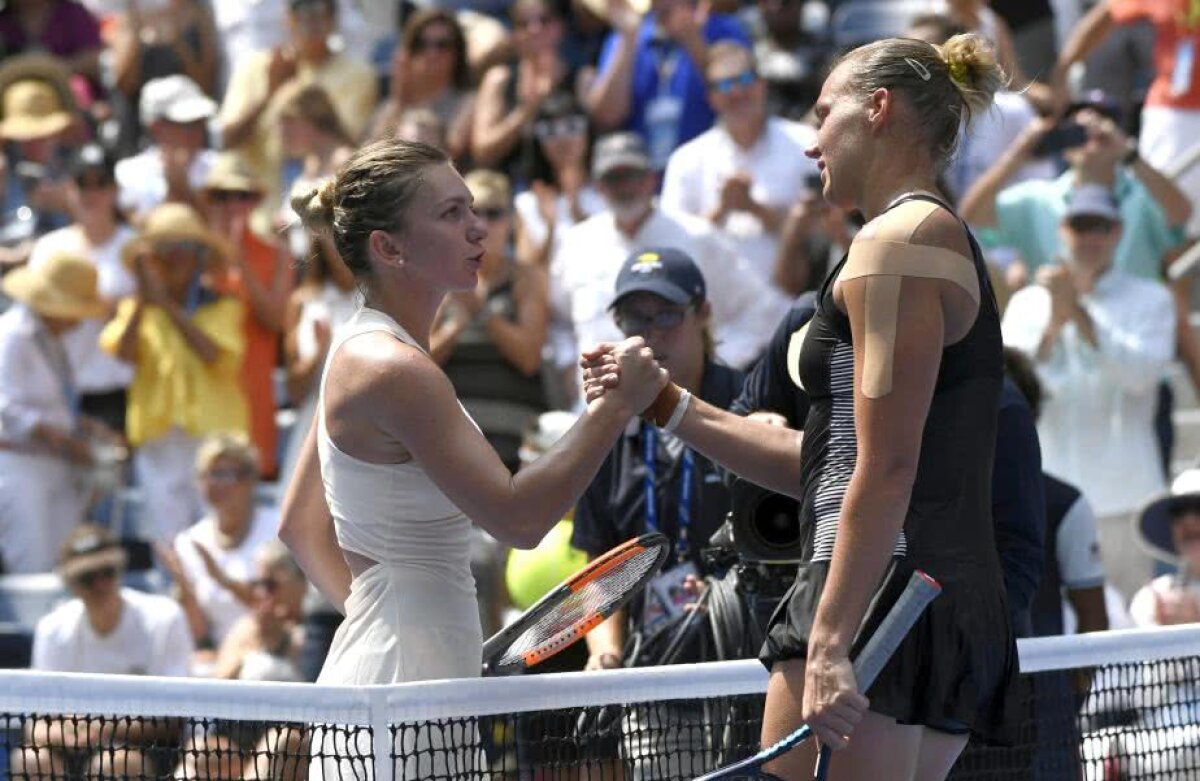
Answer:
(186, 344)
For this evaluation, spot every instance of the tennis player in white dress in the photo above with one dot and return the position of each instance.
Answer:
(394, 471)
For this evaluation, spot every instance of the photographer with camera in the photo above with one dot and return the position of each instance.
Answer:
(652, 482)
(1026, 216)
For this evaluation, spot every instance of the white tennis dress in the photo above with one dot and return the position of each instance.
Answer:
(413, 616)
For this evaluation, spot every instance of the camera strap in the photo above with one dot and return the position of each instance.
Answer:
(650, 489)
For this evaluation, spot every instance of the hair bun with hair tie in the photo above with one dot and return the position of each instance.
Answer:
(960, 72)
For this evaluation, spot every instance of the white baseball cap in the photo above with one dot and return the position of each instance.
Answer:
(175, 99)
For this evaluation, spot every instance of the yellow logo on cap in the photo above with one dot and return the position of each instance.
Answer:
(646, 263)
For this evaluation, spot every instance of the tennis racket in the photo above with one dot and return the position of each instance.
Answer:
(576, 606)
(918, 593)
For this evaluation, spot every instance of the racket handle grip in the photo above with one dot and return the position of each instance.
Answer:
(918, 593)
(823, 764)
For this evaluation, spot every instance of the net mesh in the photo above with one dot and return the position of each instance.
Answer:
(560, 626)
(1123, 706)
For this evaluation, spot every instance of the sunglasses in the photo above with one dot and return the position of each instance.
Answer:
(228, 476)
(560, 127)
(189, 246)
(231, 196)
(89, 578)
(730, 83)
(492, 214)
(1090, 224)
(634, 323)
(437, 44)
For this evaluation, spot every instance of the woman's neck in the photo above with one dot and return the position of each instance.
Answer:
(413, 309)
(232, 526)
(881, 193)
(97, 229)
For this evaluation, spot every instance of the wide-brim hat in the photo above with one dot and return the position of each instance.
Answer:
(1153, 524)
(176, 222)
(62, 286)
(229, 171)
(44, 103)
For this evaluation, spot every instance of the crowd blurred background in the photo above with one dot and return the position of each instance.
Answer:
(166, 319)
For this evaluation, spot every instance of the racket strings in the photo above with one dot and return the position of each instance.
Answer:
(583, 608)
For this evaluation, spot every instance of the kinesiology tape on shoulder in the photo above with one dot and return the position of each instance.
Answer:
(884, 264)
(795, 344)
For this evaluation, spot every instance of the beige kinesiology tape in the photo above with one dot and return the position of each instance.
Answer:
(884, 264)
(795, 344)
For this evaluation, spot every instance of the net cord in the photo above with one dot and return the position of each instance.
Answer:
(23, 691)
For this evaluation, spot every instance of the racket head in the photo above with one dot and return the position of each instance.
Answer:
(576, 606)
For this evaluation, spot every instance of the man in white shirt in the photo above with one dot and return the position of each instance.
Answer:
(744, 173)
(105, 629)
(584, 268)
(175, 112)
(1101, 341)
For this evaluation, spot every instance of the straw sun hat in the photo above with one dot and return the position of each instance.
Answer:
(64, 286)
(229, 171)
(176, 222)
(36, 100)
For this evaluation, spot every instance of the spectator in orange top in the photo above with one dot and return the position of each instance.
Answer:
(258, 274)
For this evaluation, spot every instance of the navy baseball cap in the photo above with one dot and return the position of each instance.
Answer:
(663, 271)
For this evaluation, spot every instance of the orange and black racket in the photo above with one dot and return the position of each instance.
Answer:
(576, 606)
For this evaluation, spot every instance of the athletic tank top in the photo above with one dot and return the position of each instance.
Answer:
(391, 513)
(949, 521)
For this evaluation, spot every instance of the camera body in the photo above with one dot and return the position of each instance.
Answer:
(764, 526)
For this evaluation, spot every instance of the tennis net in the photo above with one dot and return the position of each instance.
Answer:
(1117, 705)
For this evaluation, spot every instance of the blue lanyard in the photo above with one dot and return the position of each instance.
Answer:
(687, 469)
(55, 355)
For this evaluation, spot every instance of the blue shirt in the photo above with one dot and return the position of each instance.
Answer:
(684, 80)
(1029, 214)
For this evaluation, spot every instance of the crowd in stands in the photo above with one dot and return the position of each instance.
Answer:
(166, 319)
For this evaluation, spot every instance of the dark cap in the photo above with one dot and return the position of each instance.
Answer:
(1092, 200)
(619, 150)
(1100, 102)
(92, 158)
(90, 547)
(663, 271)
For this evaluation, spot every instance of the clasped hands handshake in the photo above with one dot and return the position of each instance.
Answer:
(624, 373)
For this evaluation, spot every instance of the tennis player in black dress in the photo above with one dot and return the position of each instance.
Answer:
(903, 366)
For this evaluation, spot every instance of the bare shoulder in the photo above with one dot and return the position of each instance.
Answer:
(378, 367)
(377, 389)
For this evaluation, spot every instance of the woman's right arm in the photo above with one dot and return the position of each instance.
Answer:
(497, 129)
(425, 417)
(306, 526)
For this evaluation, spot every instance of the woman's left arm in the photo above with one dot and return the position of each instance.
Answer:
(521, 342)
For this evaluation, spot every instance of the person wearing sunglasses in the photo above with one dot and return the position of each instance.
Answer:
(511, 93)
(744, 173)
(110, 629)
(652, 482)
(430, 70)
(185, 342)
(1101, 340)
(489, 340)
(555, 164)
(211, 563)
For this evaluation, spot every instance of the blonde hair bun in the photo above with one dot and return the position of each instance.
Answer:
(314, 205)
(971, 62)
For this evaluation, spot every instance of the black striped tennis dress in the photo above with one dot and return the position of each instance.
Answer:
(956, 671)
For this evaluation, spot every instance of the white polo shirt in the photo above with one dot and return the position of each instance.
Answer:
(583, 275)
(151, 638)
(1097, 424)
(776, 165)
